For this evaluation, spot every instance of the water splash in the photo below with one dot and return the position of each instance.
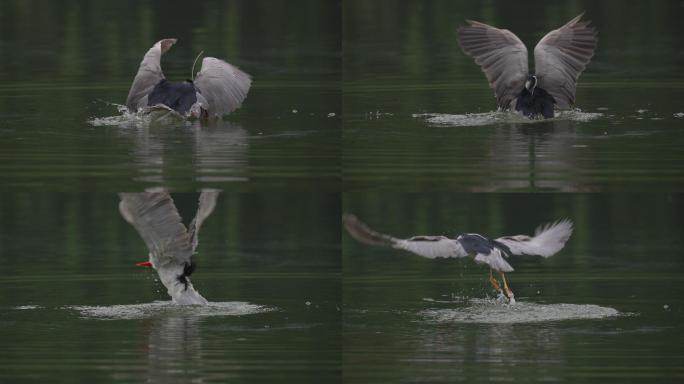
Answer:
(164, 308)
(158, 115)
(492, 311)
(489, 118)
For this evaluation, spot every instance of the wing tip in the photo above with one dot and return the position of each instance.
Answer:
(564, 224)
(362, 233)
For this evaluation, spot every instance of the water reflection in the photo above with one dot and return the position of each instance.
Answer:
(532, 156)
(174, 350)
(218, 151)
(495, 349)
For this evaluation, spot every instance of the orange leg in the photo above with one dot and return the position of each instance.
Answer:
(495, 283)
(508, 291)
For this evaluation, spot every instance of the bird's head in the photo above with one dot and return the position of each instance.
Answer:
(531, 83)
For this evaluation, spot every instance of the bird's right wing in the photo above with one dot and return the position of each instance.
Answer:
(561, 56)
(223, 86)
(155, 217)
(149, 74)
(427, 246)
(547, 240)
(500, 54)
(206, 205)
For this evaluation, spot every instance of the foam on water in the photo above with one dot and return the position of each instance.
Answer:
(491, 311)
(488, 118)
(162, 308)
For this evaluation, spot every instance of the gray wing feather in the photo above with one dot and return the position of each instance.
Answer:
(224, 86)
(500, 54)
(155, 217)
(548, 240)
(561, 56)
(207, 203)
(426, 246)
(149, 74)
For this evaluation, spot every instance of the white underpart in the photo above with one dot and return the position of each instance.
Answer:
(495, 261)
(547, 241)
(168, 275)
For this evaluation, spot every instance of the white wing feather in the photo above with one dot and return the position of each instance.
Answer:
(427, 246)
(547, 241)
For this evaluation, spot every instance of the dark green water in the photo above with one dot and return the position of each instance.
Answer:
(260, 250)
(65, 62)
(608, 307)
(401, 59)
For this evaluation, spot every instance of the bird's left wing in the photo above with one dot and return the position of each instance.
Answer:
(155, 217)
(427, 246)
(206, 205)
(500, 54)
(547, 241)
(149, 74)
(223, 86)
(561, 56)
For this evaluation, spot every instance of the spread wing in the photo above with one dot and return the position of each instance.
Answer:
(547, 241)
(427, 246)
(500, 54)
(222, 85)
(155, 217)
(561, 56)
(149, 74)
(207, 203)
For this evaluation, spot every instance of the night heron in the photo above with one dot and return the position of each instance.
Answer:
(170, 244)
(547, 241)
(218, 89)
(559, 58)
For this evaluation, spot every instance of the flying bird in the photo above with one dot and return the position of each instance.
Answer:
(547, 241)
(218, 89)
(559, 59)
(171, 246)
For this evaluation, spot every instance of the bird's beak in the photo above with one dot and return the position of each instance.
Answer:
(144, 264)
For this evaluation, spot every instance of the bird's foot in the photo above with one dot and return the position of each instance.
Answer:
(510, 295)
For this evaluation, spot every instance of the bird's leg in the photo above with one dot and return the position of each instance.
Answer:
(495, 283)
(508, 291)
